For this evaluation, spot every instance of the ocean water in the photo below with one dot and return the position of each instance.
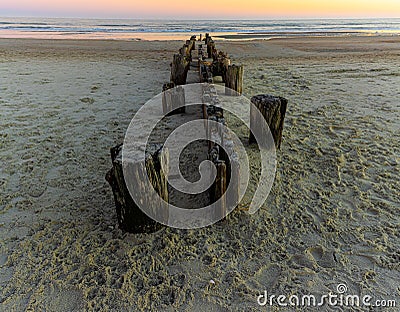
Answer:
(154, 29)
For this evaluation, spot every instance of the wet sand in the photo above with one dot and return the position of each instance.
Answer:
(332, 216)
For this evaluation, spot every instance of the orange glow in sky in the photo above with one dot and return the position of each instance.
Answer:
(202, 9)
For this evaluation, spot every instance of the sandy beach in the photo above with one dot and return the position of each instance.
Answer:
(332, 217)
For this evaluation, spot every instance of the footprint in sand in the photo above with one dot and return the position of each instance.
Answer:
(316, 252)
(34, 187)
(87, 100)
(304, 260)
(94, 88)
(3, 259)
(268, 276)
(324, 258)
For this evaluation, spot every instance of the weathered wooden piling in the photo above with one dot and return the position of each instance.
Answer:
(210, 48)
(207, 38)
(200, 53)
(220, 65)
(192, 43)
(167, 86)
(130, 217)
(185, 51)
(226, 62)
(234, 80)
(273, 110)
(173, 100)
(220, 186)
(179, 69)
(234, 180)
(205, 72)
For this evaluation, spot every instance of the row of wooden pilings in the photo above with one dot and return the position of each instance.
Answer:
(211, 62)
(221, 151)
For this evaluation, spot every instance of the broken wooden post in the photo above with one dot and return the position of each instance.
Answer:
(220, 65)
(220, 189)
(207, 38)
(179, 69)
(234, 181)
(210, 48)
(205, 73)
(167, 86)
(273, 110)
(234, 80)
(185, 50)
(193, 42)
(130, 217)
(219, 184)
(225, 64)
(189, 43)
(173, 100)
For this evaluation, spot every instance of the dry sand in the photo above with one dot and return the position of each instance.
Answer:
(332, 216)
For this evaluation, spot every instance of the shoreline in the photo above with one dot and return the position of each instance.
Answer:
(220, 36)
(274, 48)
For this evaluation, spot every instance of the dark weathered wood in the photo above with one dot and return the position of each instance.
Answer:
(179, 69)
(273, 110)
(234, 80)
(167, 86)
(191, 43)
(220, 188)
(220, 65)
(184, 50)
(233, 173)
(210, 48)
(173, 101)
(200, 56)
(205, 71)
(207, 38)
(130, 217)
(226, 62)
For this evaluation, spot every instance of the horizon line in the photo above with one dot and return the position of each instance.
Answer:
(207, 18)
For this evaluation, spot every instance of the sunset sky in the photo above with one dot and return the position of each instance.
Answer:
(201, 9)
